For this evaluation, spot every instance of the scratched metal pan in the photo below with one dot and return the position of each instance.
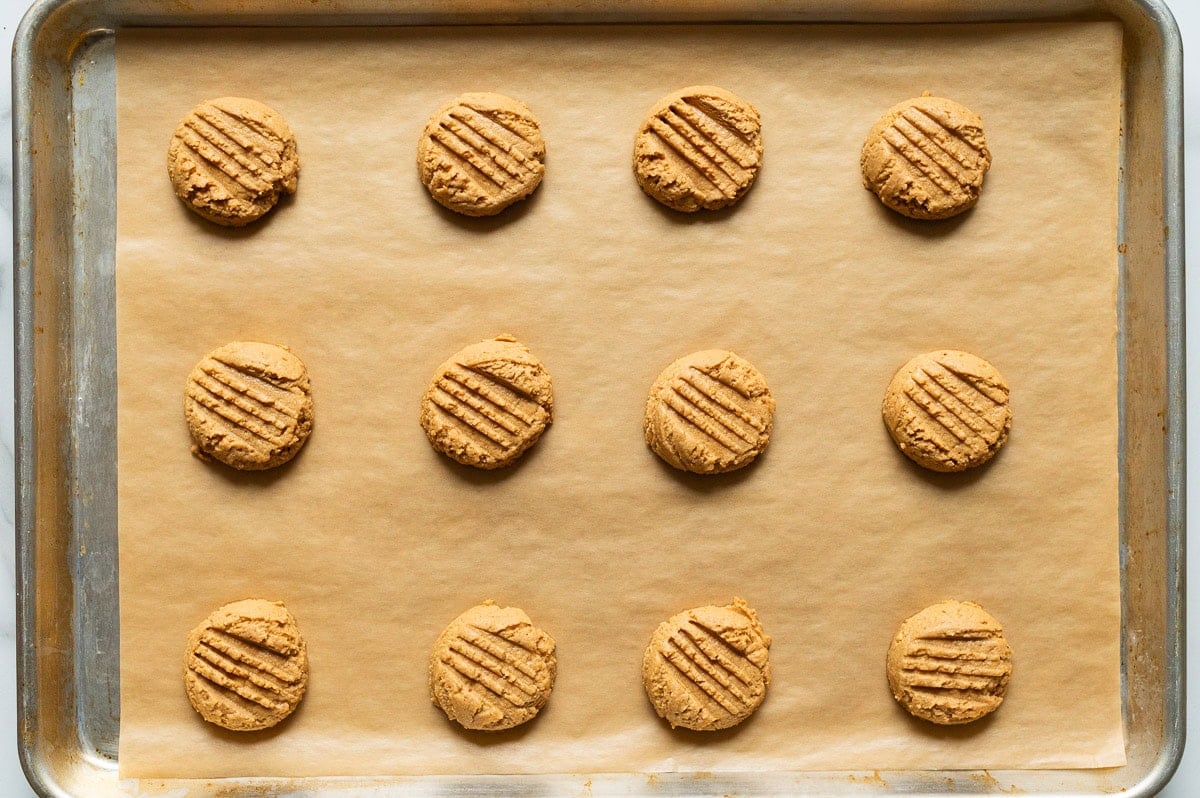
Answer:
(65, 186)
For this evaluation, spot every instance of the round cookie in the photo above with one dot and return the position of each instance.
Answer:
(949, 663)
(491, 668)
(699, 147)
(926, 158)
(246, 666)
(488, 403)
(480, 153)
(707, 668)
(249, 405)
(231, 158)
(708, 413)
(948, 410)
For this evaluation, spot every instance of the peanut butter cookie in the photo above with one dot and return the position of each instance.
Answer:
(709, 413)
(948, 410)
(488, 403)
(699, 147)
(950, 663)
(492, 669)
(707, 668)
(249, 405)
(480, 153)
(926, 158)
(231, 159)
(246, 666)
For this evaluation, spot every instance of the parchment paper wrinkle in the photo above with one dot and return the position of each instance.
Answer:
(374, 541)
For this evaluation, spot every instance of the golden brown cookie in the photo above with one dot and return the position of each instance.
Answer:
(926, 158)
(491, 668)
(949, 663)
(480, 153)
(948, 410)
(699, 147)
(249, 405)
(709, 413)
(246, 666)
(488, 403)
(708, 668)
(231, 159)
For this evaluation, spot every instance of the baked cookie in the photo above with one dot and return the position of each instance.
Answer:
(480, 153)
(231, 159)
(949, 663)
(699, 147)
(709, 413)
(249, 405)
(246, 666)
(707, 668)
(488, 403)
(948, 410)
(926, 158)
(491, 668)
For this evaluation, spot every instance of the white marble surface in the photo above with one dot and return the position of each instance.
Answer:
(12, 782)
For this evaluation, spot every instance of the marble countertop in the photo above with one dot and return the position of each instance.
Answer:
(12, 781)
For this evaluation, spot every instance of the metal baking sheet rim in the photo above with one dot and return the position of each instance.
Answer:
(54, 617)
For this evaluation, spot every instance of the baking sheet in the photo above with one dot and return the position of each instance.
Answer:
(375, 542)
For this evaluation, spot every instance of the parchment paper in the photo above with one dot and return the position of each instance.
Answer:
(375, 542)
